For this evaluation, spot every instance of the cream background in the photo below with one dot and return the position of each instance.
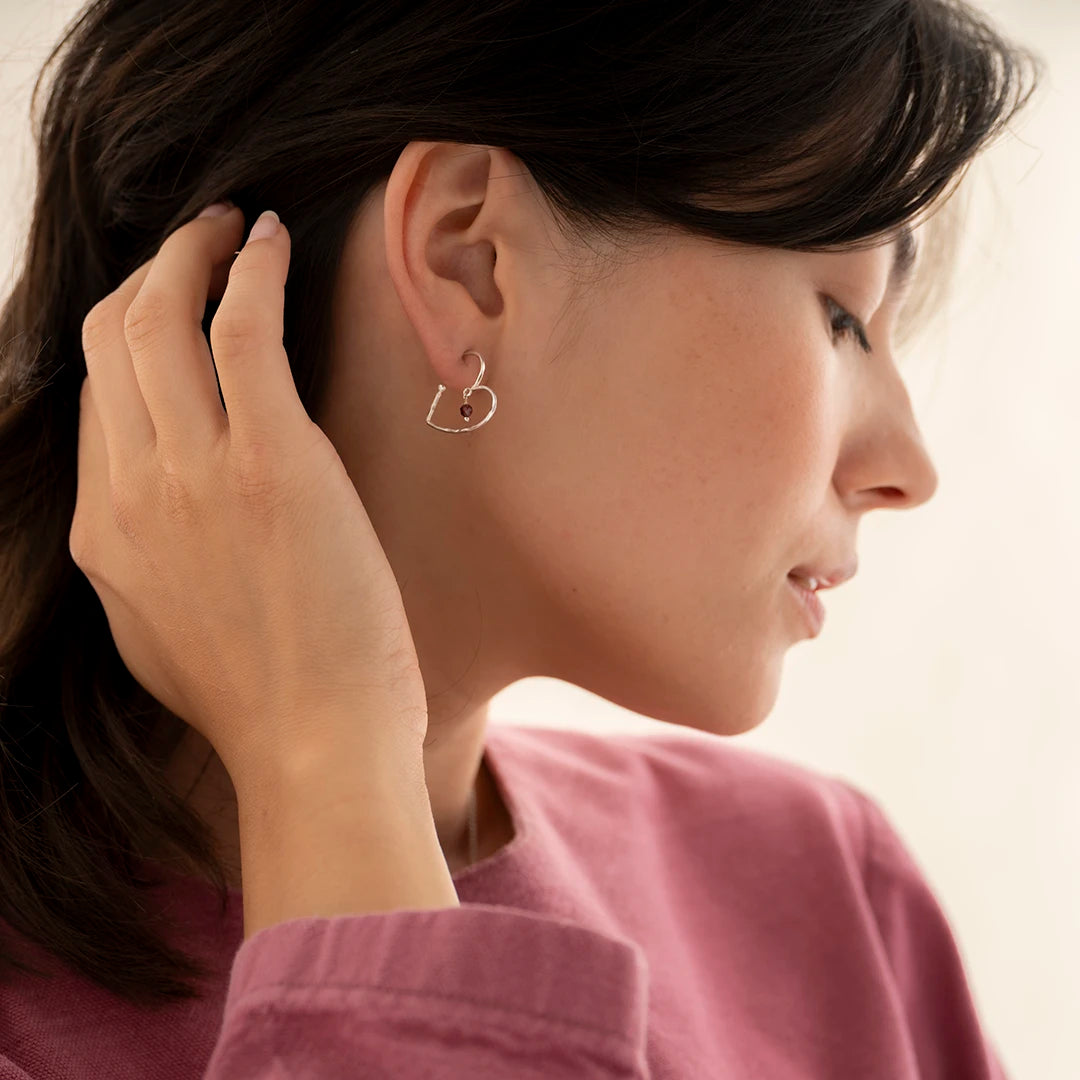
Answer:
(944, 684)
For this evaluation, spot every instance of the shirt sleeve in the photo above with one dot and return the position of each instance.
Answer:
(478, 990)
(924, 957)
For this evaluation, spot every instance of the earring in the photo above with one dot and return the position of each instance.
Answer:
(466, 409)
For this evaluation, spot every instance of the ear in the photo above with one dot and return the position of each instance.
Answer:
(447, 215)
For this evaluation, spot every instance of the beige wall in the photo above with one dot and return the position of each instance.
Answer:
(944, 682)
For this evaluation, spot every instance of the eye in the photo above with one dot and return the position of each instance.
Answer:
(844, 324)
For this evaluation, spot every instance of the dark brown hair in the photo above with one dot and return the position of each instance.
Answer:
(802, 124)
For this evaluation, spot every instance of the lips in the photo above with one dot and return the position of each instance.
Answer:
(812, 606)
(826, 578)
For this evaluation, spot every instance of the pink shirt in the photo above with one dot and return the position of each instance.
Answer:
(672, 907)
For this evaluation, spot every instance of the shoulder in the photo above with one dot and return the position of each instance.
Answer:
(703, 781)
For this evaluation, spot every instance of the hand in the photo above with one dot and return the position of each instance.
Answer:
(243, 582)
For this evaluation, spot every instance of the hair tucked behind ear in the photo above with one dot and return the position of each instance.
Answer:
(802, 125)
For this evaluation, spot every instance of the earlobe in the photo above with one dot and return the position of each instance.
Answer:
(441, 250)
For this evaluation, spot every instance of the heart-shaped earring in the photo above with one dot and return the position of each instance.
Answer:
(466, 409)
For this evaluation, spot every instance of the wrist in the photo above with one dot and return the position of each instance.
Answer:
(367, 742)
(347, 836)
(334, 773)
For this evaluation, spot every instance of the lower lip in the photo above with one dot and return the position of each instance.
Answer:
(811, 604)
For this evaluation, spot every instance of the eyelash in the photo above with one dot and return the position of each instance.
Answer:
(845, 324)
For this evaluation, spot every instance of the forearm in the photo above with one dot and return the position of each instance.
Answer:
(338, 837)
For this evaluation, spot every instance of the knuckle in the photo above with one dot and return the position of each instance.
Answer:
(122, 507)
(79, 543)
(97, 325)
(234, 329)
(146, 317)
(259, 259)
(255, 476)
(178, 497)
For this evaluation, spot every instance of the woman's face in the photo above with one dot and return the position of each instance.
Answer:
(678, 427)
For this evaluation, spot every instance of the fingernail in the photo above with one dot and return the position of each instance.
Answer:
(266, 225)
(216, 210)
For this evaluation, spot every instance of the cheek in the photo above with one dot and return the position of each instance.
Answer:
(714, 415)
(680, 424)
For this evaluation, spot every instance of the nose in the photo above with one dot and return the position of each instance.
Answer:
(889, 465)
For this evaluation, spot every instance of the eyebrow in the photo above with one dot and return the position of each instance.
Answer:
(904, 255)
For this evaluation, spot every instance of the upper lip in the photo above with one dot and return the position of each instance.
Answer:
(828, 579)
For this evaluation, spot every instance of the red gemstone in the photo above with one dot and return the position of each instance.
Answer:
(466, 411)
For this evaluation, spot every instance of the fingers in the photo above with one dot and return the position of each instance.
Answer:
(164, 336)
(147, 357)
(246, 336)
(124, 417)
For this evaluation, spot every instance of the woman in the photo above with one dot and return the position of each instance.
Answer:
(572, 355)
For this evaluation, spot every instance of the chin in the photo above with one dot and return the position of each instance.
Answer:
(739, 704)
(731, 709)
